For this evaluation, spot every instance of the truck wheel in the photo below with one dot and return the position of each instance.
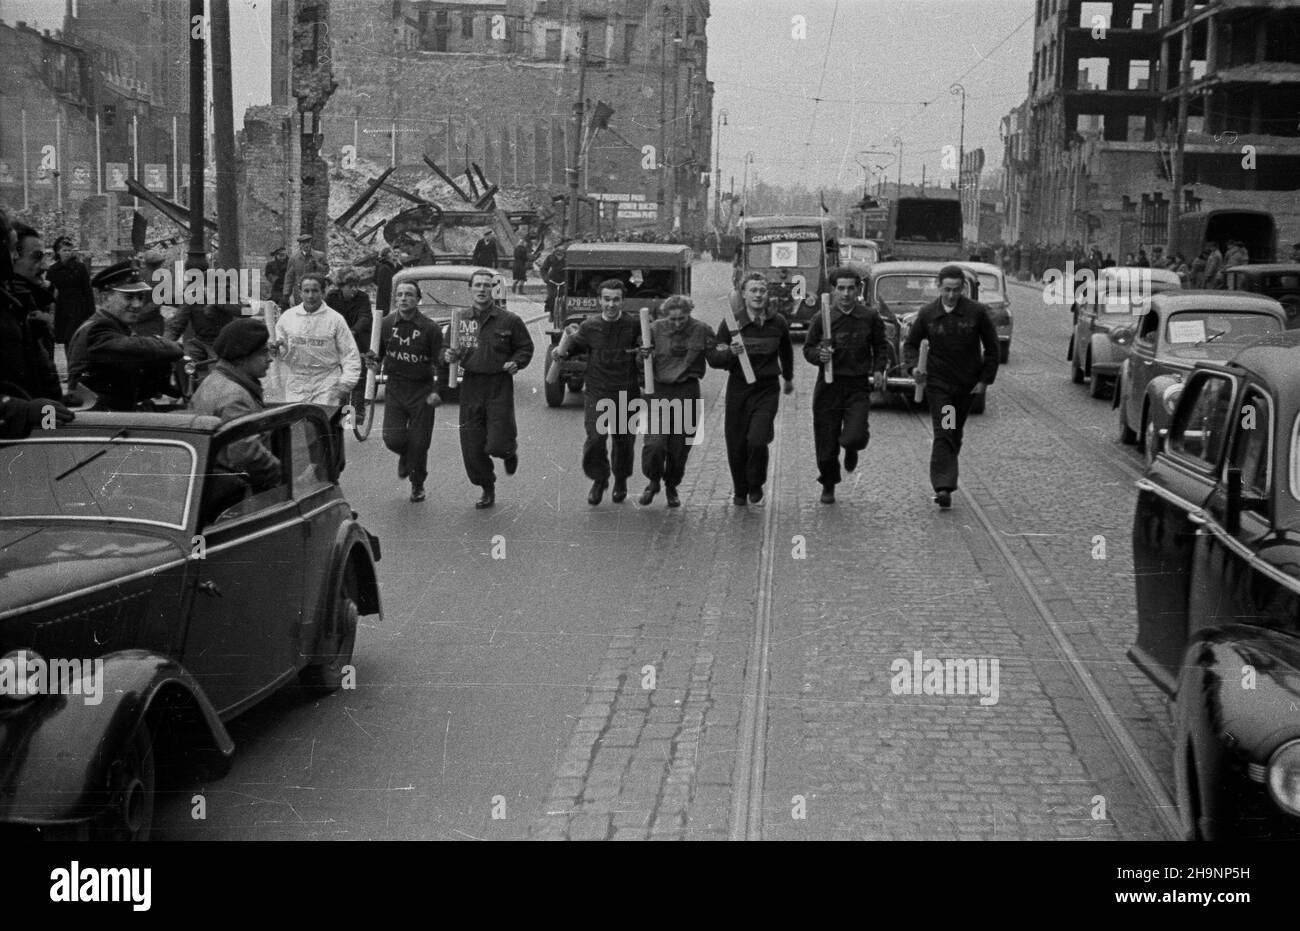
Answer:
(128, 809)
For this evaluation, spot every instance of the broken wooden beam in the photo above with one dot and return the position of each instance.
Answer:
(371, 189)
(449, 179)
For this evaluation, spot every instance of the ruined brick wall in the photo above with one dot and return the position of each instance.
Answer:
(512, 114)
(264, 181)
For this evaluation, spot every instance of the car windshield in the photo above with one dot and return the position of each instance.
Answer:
(1200, 326)
(905, 289)
(439, 294)
(96, 479)
(1126, 291)
(637, 282)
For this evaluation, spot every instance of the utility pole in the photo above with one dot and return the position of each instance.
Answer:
(1180, 142)
(717, 170)
(223, 116)
(898, 141)
(198, 251)
(578, 116)
(663, 115)
(961, 158)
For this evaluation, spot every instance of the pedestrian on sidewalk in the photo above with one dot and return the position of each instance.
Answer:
(494, 345)
(858, 352)
(410, 351)
(306, 261)
(678, 349)
(74, 298)
(610, 339)
(519, 265)
(962, 362)
(750, 420)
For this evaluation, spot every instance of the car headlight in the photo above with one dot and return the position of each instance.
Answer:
(1169, 397)
(14, 668)
(1284, 777)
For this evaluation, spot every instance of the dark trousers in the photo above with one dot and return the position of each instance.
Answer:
(597, 461)
(664, 452)
(949, 408)
(408, 425)
(840, 418)
(487, 423)
(749, 426)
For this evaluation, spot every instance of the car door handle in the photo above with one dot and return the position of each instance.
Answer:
(1198, 518)
(210, 588)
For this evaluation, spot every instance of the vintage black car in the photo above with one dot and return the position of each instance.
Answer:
(1216, 560)
(152, 588)
(1278, 280)
(898, 290)
(1105, 303)
(1179, 329)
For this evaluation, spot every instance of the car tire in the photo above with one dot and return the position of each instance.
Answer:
(1097, 385)
(977, 405)
(1142, 431)
(1127, 436)
(1004, 353)
(1150, 440)
(337, 640)
(1076, 373)
(129, 802)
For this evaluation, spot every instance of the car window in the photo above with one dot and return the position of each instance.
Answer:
(97, 479)
(247, 477)
(1150, 324)
(907, 288)
(1198, 326)
(442, 292)
(1252, 443)
(989, 283)
(311, 452)
(1199, 435)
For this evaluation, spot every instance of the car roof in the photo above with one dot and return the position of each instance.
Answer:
(445, 272)
(1174, 301)
(624, 254)
(1275, 359)
(853, 241)
(982, 268)
(1268, 268)
(1133, 271)
(916, 267)
(140, 423)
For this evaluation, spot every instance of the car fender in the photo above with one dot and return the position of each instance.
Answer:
(1154, 402)
(351, 541)
(57, 751)
(1236, 703)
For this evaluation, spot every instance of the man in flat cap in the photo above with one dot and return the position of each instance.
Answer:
(112, 362)
(305, 261)
(234, 388)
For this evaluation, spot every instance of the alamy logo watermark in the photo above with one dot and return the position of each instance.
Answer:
(181, 285)
(26, 675)
(659, 416)
(80, 883)
(953, 676)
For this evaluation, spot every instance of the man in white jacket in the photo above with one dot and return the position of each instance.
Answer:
(319, 359)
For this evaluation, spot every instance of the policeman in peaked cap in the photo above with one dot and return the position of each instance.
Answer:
(111, 361)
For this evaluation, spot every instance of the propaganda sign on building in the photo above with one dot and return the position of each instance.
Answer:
(6, 173)
(115, 175)
(82, 178)
(155, 177)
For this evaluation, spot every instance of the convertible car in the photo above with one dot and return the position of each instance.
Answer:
(1216, 562)
(159, 575)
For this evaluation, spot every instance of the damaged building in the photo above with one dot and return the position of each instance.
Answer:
(494, 84)
(1093, 154)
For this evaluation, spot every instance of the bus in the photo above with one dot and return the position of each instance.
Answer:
(794, 253)
(924, 229)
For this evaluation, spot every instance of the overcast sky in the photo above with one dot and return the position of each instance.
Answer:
(883, 69)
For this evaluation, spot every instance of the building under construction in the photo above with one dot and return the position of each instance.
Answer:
(1094, 154)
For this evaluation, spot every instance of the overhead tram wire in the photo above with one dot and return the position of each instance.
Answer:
(983, 58)
(821, 81)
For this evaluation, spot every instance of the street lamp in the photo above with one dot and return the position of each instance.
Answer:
(668, 15)
(717, 169)
(961, 157)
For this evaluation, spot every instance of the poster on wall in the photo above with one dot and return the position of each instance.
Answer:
(155, 177)
(115, 175)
